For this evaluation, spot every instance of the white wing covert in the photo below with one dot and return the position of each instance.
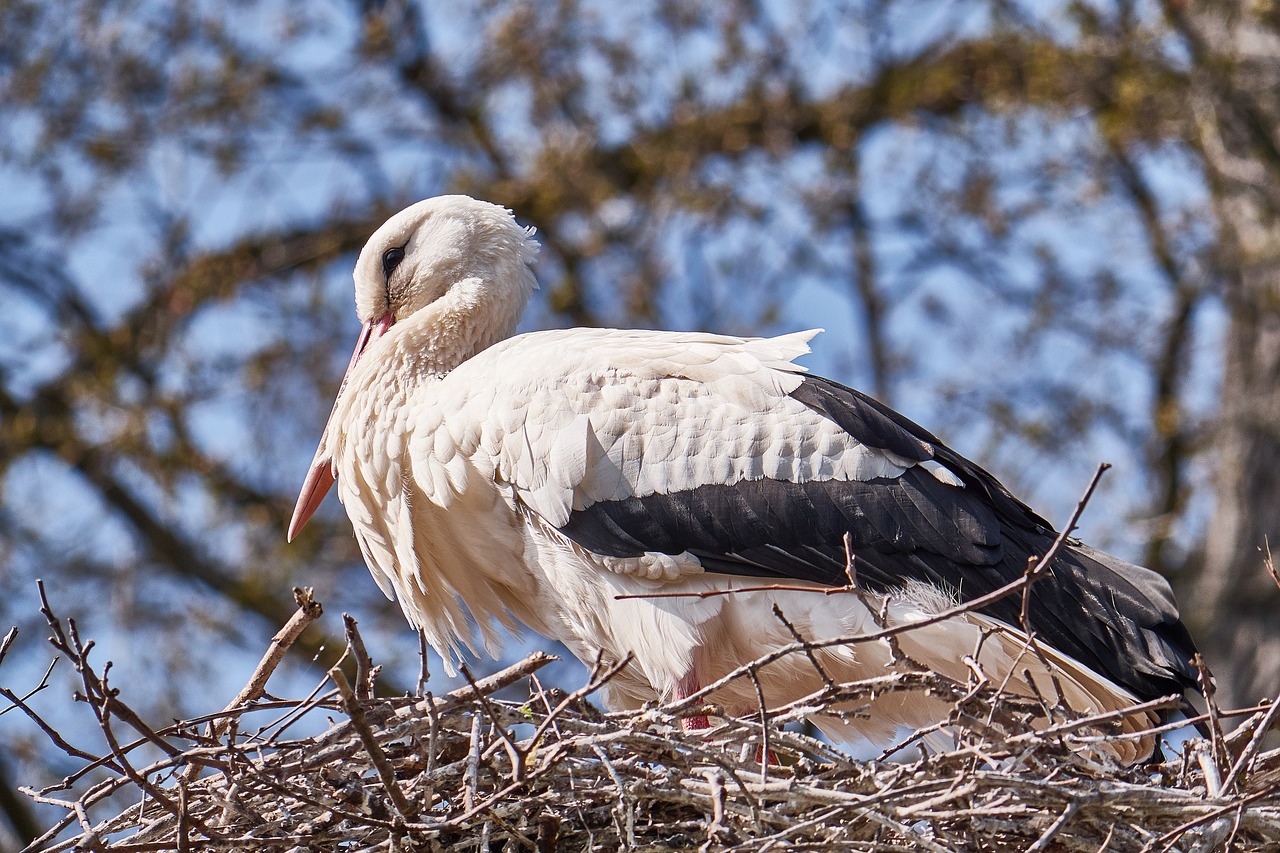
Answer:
(599, 415)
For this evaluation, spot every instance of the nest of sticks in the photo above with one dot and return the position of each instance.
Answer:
(476, 770)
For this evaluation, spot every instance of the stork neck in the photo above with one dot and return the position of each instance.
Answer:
(470, 317)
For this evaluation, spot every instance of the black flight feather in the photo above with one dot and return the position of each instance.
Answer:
(1113, 617)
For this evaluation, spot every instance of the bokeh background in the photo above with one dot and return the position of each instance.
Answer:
(1048, 231)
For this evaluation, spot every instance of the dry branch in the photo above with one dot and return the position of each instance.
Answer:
(474, 768)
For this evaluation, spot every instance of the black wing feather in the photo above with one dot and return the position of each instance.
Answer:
(1111, 616)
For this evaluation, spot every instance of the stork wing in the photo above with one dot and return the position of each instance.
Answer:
(634, 443)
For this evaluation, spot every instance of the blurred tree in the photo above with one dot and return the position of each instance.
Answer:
(1234, 122)
(1080, 200)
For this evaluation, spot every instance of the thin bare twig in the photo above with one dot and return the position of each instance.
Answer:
(1247, 755)
(515, 752)
(472, 778)
(599, 678)
(1207, 689)
(309, 610)
(795, 635)
(15, 701)
(764, 727)
(1268, 563)
(7, 642)
(1042, 843)
(424, 671)
(379, 758)
(67, 641)
(366, 672)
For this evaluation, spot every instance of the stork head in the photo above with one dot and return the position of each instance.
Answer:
(472, 252)
(426, 249)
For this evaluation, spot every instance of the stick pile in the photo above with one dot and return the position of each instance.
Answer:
(472, 771)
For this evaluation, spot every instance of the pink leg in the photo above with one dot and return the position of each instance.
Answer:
(685, 688)
(688, 686)
(773, 759)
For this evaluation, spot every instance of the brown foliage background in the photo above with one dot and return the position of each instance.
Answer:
(1051, 237)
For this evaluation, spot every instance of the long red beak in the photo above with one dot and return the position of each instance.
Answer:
(321, 477)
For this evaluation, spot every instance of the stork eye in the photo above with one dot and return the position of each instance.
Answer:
(391, 259)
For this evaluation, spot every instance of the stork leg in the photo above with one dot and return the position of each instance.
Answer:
(688, 686)
(770, 758)
(685, 688)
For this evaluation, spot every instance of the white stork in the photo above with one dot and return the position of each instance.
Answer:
(542, 476)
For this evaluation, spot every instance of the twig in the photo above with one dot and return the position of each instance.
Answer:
(91, 839)
(1173, 834)
(1207, 689)
(1052, 554)
(385, 772)
(1241, 763)
(850, 571)
(424, 672)
(7, 642)
(313, 699)
(433, 737)
(14, 702)
(795, 635)
(598, 679)
(184, 819)
(104, 707)
(309, 610)
(514, 752)
(96, 694)
(764, 727)
(487, 685)
(624, 804)
(366, 672)
(1094, 720)
(1267, 563)
(715, 828)
(472, 778)
(1204, 755)
(1042, 843)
